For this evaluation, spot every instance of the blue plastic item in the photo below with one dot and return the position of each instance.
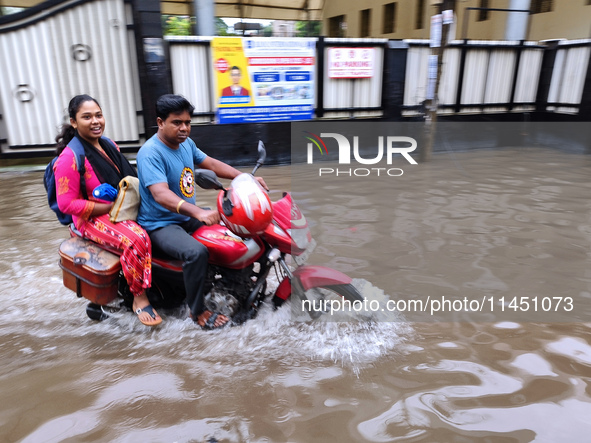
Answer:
(105, 192)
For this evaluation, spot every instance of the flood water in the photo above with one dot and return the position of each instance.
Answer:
(481, 224)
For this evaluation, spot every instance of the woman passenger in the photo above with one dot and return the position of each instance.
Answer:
(104, 163)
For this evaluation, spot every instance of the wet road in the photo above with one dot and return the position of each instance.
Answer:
(479, 224)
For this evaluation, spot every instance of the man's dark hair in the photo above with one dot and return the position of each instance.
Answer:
(172, 104)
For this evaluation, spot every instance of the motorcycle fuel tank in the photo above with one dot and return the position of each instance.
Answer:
(227, 249)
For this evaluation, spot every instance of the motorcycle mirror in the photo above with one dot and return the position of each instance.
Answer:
(262, 152)
(262, 156)
(206, 179)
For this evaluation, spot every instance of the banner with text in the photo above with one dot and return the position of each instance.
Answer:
(350, 62)
(264, 79)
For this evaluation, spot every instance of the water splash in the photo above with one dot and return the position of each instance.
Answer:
(52, 313)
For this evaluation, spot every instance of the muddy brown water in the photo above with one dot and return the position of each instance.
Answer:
(482, 224)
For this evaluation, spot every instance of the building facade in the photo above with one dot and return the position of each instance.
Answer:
(410, 19)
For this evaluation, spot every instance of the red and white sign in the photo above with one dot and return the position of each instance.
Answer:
(221, 64)
(350, 62)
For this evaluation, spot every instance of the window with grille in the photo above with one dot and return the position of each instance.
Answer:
(365, 23)
(419, 22)
(483, 14)
(389, 18)
(337, 26)
(539, 6)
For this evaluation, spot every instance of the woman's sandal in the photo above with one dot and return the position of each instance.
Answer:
(148, 310)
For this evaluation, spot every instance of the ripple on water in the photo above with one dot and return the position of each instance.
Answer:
(480, 406)
(575, 349)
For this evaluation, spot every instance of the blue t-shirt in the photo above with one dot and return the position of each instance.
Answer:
(157, 163)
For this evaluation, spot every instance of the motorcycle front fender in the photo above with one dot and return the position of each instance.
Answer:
(313, 277)
(318, 276)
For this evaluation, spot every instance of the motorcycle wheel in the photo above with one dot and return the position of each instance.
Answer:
(333, 292)
(95, 312)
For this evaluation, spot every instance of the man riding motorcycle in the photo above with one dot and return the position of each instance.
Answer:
(167, 210)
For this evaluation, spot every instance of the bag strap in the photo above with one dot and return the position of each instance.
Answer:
(78, 150)
(111, 142)
(79, 155)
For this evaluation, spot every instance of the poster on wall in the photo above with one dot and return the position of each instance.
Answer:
(263, 79)
(436, 31)
(350, 62)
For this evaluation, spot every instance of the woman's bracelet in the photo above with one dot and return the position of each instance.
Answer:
(178, 207)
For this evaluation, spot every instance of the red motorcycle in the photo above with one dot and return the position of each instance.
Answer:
(256, 237)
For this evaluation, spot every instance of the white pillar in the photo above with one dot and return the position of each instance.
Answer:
(204, 17)
(517, 22)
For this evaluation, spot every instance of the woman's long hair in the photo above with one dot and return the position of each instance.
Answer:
(67, 131)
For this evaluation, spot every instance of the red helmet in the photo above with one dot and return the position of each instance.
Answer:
(245, 207)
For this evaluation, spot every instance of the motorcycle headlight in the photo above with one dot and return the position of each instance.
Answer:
(300, 237)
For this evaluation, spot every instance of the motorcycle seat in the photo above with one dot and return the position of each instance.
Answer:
(159, 258)
(75, 232)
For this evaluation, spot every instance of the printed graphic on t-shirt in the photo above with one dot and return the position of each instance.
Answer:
(186, 183)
